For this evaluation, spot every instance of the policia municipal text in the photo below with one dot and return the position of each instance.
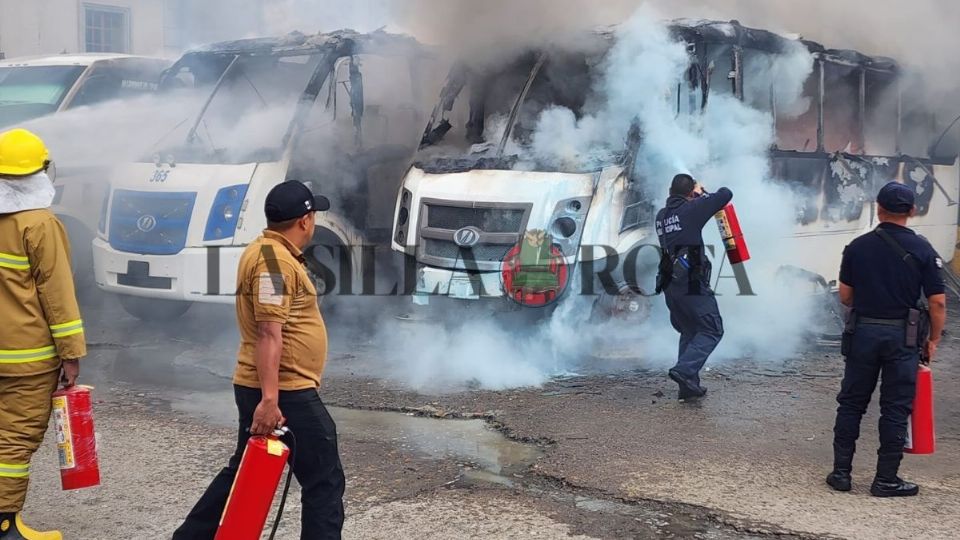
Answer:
(283, 351)
(42, 333)
(884, 275)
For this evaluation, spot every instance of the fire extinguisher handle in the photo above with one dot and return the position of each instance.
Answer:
(281, 431)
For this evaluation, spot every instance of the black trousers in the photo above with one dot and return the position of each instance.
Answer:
(697, 318)
(317, 468)
(877, 351)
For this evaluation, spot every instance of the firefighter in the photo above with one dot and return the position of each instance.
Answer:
(41, 338)
(882, 276)
(283, 350)
(684, 278)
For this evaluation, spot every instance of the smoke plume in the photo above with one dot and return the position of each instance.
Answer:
(725, 147)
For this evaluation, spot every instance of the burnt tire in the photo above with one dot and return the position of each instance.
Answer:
(153, 309)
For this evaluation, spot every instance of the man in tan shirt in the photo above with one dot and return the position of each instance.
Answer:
(283, 349)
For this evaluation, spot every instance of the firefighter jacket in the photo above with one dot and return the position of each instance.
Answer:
(41, 319)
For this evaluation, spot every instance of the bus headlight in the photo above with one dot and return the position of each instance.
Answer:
(222, 222)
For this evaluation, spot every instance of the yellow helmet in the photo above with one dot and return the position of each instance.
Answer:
(22, 153)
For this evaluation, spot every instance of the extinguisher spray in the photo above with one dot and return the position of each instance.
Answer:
(76, 439)
(921, 436)
(255, 485)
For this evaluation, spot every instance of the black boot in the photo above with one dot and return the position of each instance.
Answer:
(887, 483)
(688, 388)
(840, 479)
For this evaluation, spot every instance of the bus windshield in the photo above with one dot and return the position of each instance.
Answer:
(482, 110)
(248, 103)
(28, 92)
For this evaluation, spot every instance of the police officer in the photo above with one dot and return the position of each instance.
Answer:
(685, 278)
(882, 276)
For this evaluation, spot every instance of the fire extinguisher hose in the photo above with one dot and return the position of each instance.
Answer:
(286, 488)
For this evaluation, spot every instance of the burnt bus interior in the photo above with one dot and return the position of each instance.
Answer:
(865, 122)
(348, 105)
(487, 114)
(859, 123)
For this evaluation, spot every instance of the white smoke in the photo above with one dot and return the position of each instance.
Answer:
(479, 354)
(725, 146)
(114, 132)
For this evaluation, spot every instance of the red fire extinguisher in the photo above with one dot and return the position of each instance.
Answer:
(76, 439)
(251, 496)
(732, 235)
(921, 435)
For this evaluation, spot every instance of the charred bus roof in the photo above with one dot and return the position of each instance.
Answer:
(729, 33)
(590, 47)
(338, 44)
(343, 42)
(734, 33)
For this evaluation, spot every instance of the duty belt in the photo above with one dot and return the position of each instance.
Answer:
(899, 323)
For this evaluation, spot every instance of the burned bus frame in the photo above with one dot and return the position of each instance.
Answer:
(820, 168)
(341, 232)
(833, 182)
(332, 47)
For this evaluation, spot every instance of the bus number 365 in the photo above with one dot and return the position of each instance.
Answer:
(159, 176)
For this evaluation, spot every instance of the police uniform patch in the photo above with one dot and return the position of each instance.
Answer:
(271, 289)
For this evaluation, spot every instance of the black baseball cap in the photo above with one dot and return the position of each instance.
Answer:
(896, 197)
(292, 200)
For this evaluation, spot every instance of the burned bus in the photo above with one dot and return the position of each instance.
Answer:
(340, 111)
(475, 193)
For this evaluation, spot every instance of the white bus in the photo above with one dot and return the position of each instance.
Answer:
(469, 200)
(340, 111)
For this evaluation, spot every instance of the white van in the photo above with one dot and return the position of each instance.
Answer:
(339, 111)
(32, 88)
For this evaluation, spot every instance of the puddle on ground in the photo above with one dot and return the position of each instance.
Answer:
(486, 456)
(468, 442)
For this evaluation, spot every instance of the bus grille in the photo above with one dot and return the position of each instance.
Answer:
(150, 223)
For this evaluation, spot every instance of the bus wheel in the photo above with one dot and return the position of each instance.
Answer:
(153, 309)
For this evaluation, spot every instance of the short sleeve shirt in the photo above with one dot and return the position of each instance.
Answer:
(273, 286)
(884, 285)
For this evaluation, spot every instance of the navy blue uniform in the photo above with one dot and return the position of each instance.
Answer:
(884, 290)
(693, 307)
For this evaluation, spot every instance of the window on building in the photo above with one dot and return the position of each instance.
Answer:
(106, 29)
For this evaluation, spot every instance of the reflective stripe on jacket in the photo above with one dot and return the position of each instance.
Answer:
(8, 470)
(41, 318)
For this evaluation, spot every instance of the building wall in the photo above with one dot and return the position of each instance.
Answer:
(35, 27)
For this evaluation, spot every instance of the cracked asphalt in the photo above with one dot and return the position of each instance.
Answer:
(612, 454)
